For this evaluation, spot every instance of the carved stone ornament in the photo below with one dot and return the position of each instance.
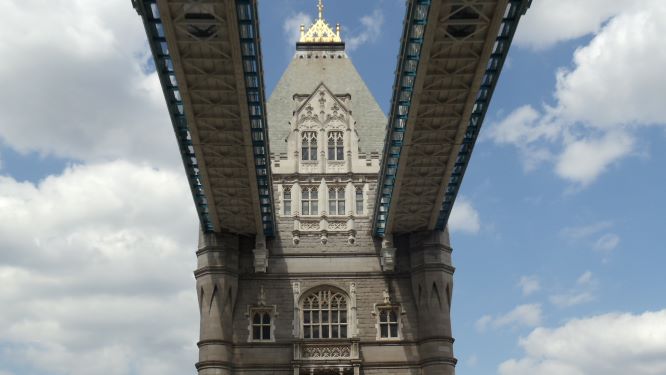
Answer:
(387, 297)
(330, 351)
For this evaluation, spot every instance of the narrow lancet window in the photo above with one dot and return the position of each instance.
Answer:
(388, 323)
(309, 201)
(286, 201)
(335, 146)
(336, 201)
(309, 146)
(359, 201)
(261, 326)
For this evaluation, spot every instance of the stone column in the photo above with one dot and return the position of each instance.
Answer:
(432, 284)
(323, 151)
(217, 285)
(348, 150)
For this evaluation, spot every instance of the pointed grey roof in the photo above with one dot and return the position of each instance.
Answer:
(307, 71)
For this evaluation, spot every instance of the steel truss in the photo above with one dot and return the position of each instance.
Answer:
(452, 53)
(208, 58)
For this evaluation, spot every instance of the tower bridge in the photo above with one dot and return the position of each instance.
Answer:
(323, 245)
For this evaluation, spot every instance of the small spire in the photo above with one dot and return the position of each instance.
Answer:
(320, 32)
(320, 6)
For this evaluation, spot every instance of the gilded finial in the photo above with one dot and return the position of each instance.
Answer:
(320, 31)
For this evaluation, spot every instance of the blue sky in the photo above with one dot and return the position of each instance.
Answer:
(555, 233)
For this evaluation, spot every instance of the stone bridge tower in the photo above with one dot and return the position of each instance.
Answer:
(324, 296)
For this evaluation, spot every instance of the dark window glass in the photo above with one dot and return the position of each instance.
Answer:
(388, 323)
(261, 326)
(394, 330)
(335, 146)
(309, 145)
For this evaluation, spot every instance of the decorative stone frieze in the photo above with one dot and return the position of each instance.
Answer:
(326, 350)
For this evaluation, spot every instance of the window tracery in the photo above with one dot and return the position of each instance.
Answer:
(261, 325)
(359, 200)
(388, 323)
(309, 145)
(286, 201)
(335, 145)
(336, 200)
(310, 200)
(324, 315)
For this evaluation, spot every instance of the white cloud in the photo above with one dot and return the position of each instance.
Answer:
(582, 292)
(371, 29)
(585, 278)
(541, 27)
(292, 26)
(585, 231)
(584, 160)
(610, 344)
(96, 272)
(521, 127)
(603, 100)
(528, 315)
(76, 87)
(483, 322)
(571, 299)
(529, 284)
(597, 235)
(464, 217)
(607, 243)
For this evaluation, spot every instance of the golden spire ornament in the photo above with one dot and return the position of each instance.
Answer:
(320, 31)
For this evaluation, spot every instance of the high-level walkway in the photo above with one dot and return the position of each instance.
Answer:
(451, 55)
(208, 57)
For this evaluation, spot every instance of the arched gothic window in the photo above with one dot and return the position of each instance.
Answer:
(324, 315)
(335, 146)
(309, 145)
(309, 201)
(336, 200)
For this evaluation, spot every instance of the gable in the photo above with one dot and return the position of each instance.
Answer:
(322, 108)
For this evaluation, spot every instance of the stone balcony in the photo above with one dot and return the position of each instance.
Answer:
(324, 357)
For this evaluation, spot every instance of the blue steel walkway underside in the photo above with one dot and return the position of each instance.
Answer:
(414, 45)
(246, 16)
